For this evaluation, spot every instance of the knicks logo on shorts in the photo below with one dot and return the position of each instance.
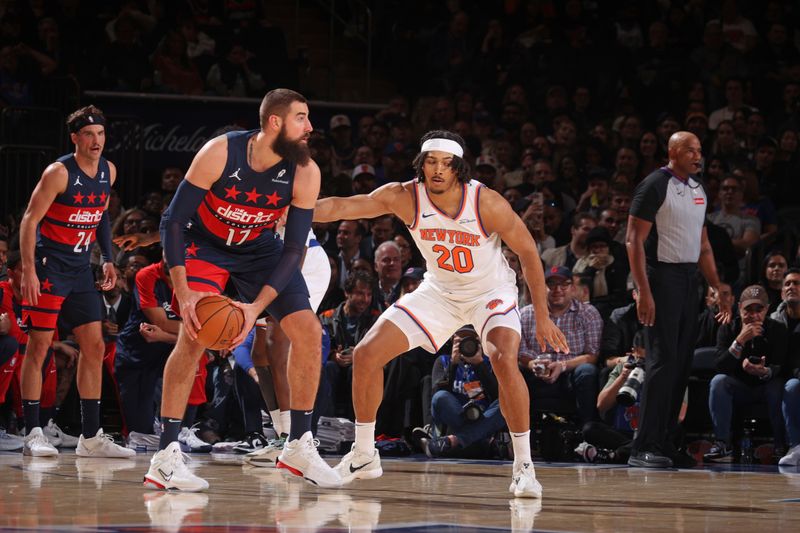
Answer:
(494, 303)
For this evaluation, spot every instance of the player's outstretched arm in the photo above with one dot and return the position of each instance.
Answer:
(390, 198)
(52, 183)
(502, 219)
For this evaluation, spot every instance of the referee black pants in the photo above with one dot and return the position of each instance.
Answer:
(670, 346)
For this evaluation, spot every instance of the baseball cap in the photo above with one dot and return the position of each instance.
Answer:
(598, 234)
(414, 273)
(340, 121)
(558, 271)
(754, 294)
(363, 169)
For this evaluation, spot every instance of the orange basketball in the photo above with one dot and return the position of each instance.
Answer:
(220, 321)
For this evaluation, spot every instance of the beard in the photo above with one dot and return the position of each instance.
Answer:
(291, 150)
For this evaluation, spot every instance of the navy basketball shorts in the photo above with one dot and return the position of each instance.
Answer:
(65, 291)
(209, 267)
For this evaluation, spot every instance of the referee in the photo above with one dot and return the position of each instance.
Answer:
(667, 242)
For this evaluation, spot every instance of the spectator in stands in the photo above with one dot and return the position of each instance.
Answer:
(381, 229)
(126, 59)
(465, 400)
(608, 275)
(170, 178)
(788, 314)
(744, 231)
(569, 254)
(409, 253)
(174, 71)
(233, 75)
(348, 240)
(363, 178)
(750, 352)
(346, 325)
(734, 96)
(708, 325)
(572, 375)
(620, 201)
(341, 135)
(618, 333)
(388, 267)
(773, 270)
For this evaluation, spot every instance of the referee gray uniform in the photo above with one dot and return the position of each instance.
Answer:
(676, 208)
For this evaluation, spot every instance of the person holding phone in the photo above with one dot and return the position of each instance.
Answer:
(750, 352)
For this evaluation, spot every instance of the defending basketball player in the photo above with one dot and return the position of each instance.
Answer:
(67, 213)
(458, 225)
(236, 189)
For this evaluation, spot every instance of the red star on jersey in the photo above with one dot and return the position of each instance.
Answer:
(232, 192)
(273, 198)
(91, 198)
(192, 250)
(252, 196)
(78, 198)
(103, 197)
(46, 285)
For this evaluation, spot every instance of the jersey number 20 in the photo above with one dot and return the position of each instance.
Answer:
(459, 259)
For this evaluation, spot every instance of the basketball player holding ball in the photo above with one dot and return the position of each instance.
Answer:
(236, 189)
(458, 225)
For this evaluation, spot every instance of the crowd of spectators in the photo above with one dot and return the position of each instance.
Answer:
(565, 108)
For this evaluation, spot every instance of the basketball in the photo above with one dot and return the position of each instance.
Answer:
(220, 321)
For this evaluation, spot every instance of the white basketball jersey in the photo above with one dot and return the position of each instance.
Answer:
(462, 260)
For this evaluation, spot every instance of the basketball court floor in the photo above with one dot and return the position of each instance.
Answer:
(69, 493)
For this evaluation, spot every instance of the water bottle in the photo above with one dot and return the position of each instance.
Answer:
(746, 453)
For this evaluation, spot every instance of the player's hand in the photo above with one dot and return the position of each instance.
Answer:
(30, 286)
(548, 333)
(109, 277)
(646, 308)
(251, 312)
(188, 299)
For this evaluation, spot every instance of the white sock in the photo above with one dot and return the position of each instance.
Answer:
(277, 423)
(286, 422)
(521, 442)
(365, 437)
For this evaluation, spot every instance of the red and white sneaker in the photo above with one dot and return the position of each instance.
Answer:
(301, 458)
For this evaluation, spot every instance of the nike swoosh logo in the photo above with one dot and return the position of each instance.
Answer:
(357, 468)
(164, 475)
(426, 215)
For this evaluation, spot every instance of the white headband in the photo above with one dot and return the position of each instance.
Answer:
(443, 145)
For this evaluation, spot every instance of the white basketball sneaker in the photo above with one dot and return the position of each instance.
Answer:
(524, 483)
(57, 437)
(102, 445)
(191, 443)
(168, 471)
(357, 465)
(301, 458)
(37, 445)
(792, 457)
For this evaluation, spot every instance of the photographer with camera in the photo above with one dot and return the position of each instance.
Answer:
(750, 352)
(465, 398)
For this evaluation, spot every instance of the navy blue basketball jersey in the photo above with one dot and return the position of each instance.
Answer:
(68, 228)
(241, 209)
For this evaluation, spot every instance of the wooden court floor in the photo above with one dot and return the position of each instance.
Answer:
(69, 493)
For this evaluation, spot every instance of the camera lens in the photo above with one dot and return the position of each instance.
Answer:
(468, 346)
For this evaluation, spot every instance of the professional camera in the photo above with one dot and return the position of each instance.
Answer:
(472, 410)
(468, 346)
(630, 390)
